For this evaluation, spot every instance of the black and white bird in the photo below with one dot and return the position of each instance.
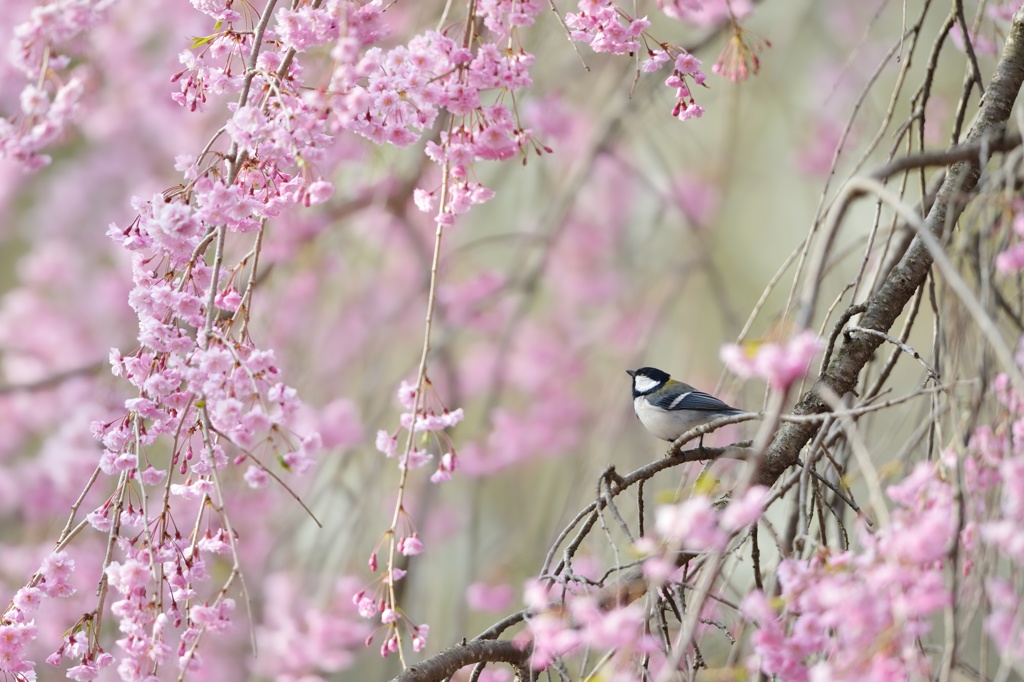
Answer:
(669, 408)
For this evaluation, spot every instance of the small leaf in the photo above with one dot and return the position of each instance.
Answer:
(706, 484)
(198, 41)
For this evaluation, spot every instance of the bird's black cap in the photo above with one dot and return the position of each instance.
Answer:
(652, 373)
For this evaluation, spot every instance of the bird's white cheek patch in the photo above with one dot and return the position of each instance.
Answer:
(644, 384)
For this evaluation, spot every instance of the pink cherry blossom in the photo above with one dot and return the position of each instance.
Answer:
(778, 364)
(824, 620)
(411, 545)
(740, 513)
(483, 597)
(692, 524)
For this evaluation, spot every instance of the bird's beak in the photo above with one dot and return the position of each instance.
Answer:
(631, 372)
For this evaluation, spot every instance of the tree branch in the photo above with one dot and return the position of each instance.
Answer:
(445, 664)
(998, 140)
(885, 306)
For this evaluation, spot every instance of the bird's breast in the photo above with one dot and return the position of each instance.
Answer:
(665, 424)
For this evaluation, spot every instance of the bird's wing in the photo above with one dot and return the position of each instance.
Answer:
(692, 399)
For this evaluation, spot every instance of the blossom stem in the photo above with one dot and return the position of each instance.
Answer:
(418, 400)
(67, 532)
(115, 531)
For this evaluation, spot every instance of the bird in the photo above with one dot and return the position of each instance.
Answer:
(668, 408)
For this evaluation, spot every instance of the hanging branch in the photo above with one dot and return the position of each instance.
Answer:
(886, 305)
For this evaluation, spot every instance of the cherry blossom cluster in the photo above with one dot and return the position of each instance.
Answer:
(697, 525)
(562, 621)
(503, 16)
(146, 643)
(393, 621)
(17, 625)
(387, 96)
(423, 420)
(779, 364)
(216, 399)
(185, 376)
(210, 401)
(605, 27)
(393, 96)
(826, 629)
(40, 50)
(201, 382)
(685, 66)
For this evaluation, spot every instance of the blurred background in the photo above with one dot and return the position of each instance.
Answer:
(640, 240)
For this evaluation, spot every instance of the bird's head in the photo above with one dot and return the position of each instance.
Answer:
(647, 380)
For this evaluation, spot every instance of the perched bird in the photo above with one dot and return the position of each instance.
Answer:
(669, 408)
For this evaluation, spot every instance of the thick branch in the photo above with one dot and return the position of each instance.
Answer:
(445, 664)
(885, 306)
(1000, 141)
